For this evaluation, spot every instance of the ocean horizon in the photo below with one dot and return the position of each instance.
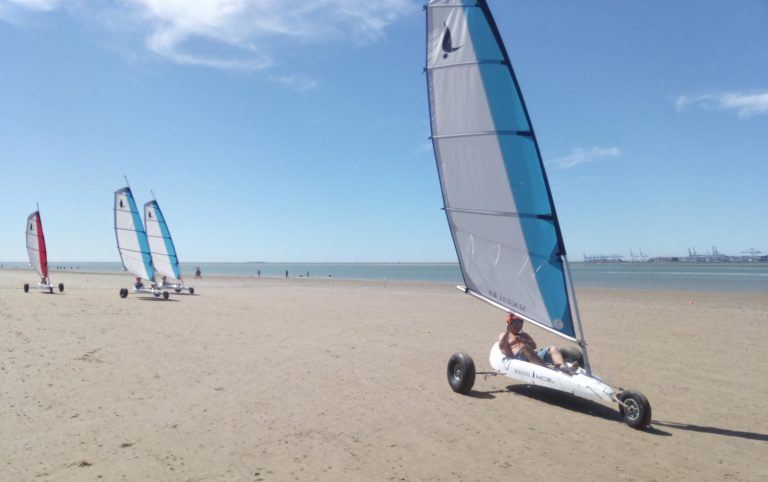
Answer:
(704, 277)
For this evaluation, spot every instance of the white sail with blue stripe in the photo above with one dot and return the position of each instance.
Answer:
(132, 240)
(495, 189)
(161, 245)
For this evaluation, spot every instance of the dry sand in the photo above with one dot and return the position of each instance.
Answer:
(304, 379)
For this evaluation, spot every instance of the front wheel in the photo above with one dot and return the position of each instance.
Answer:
(123, 292)
(50, 290)
(165, 295)
(177, 290)
(461, 373)
(26, 287)
(61, 287)
(191, 291)
(636, 409)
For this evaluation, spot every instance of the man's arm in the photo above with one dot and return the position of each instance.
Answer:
(504, 345)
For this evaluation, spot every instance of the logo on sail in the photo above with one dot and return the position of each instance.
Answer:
(448, 43)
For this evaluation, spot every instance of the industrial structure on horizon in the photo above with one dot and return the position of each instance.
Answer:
(750, 255)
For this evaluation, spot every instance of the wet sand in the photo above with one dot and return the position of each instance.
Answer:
(322, 379)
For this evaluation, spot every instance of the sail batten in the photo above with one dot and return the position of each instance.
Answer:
(495, 190)
(486, 133)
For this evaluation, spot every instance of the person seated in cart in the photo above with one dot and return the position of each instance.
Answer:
(138, 284)
(515, 343)
(43, 280)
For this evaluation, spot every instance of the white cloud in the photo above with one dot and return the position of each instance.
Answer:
(746, 104)
(583, 156)
(235, 34)
(297, 82)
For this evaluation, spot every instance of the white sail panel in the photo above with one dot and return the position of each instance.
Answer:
(496, 195)
(161, 245)
(131, 237)
(38, 257)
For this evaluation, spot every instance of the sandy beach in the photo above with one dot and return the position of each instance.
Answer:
(329, 380)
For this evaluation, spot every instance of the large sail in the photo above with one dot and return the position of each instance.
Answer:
(38, 257)
(164, 256)
(497, 198)
(131, 237)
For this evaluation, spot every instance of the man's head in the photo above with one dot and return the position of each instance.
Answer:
(514, 320)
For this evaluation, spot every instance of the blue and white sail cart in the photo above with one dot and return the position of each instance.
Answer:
(133, 246)
(164, 257)
(498, 201)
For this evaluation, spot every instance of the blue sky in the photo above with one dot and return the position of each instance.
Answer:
(298, 131)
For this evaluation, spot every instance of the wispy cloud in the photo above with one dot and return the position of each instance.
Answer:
(244, 35)
(297, 82)
(746, 104)
(583, 156)
(39, 5)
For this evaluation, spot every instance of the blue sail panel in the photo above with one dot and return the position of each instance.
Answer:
(497, 197)
(131, 238)
(164, 256)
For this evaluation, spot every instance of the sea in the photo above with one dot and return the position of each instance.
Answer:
(704, 277)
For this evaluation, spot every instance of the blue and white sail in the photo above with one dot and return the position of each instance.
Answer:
(161, 246)
(495, 189)
(131, 238)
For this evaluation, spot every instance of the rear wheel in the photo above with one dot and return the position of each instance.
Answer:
(177, 290)
(61, 287)
(461, 373)
(191, 291)
(165, 295)
(50, 289)
(123, 292)
(636, 409)
(26, 287)
(156, 293)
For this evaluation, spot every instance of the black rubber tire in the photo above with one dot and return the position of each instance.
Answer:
(461, 373)
(50, 290)
(26, 287)
(191, 291)
(165, 295)
(572, 354)
(177, 290)
(123, 292)
(638, 412)
(157, 294)
(61, 287)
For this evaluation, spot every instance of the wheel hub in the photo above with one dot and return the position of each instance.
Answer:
(632, 409)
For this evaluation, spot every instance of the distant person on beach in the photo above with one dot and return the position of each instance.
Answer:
(138, 284)
(259, 273)
(198, 273)
(286, 273)
(515, 343)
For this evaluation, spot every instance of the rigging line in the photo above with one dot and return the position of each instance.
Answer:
(547, 217)
(485, 133)
(468, 62)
